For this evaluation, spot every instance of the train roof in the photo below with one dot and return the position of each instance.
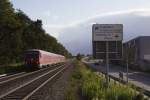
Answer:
(45, 52)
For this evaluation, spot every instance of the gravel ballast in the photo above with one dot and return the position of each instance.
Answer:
(57, 89)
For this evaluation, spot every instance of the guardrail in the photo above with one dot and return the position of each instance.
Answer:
(145, 92)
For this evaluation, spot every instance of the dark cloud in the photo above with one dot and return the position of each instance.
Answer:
(78, 38)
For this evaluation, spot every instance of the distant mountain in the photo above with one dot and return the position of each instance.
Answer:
(78, 38)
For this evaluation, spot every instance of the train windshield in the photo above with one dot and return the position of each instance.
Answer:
(32, 54)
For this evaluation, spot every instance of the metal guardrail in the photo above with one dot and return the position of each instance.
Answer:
(145, 92)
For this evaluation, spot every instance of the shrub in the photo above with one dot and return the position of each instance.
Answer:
(93, 87)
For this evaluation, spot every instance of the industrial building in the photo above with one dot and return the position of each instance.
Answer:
(137, 52)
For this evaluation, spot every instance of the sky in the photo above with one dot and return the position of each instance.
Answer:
(70, 21)
(59, 14)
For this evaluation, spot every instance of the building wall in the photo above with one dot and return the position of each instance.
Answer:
(138, 50)
(145, 46)
(145, 52)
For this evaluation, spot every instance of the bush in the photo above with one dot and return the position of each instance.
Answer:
(119, 92)
(13, 68)
(93, 87)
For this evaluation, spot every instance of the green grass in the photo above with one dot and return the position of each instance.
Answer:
(12, 68)
(71, 92)
(93, 87)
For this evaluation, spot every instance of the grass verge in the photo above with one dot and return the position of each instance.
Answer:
(12, 68)
(87, 85)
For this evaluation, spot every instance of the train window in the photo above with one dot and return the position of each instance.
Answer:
(32, 54)
(40, 55)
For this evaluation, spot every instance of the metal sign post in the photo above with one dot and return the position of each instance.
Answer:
(127, 70)
(107, 36)
(107, 63)
(127, 62)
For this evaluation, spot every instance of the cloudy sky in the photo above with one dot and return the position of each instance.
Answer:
(57, 14)
(70, 20)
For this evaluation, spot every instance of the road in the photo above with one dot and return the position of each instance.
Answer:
(139, 79)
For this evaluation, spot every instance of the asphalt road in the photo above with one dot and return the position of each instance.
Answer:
(139, 79)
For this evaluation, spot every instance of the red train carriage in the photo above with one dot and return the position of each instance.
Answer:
(39, 58)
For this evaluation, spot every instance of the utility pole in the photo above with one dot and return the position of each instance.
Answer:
(107, 63)
(127, 70)
(127, 62)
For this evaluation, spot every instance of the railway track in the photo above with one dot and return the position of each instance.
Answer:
(19, 87)
(10, 76)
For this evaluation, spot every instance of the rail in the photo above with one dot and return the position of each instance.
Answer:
(14, 82)
(27, 90)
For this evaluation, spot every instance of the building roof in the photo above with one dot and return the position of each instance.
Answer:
(136, 38)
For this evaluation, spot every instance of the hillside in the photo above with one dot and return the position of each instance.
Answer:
(19, 33)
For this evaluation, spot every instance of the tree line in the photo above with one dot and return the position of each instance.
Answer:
(19, 33)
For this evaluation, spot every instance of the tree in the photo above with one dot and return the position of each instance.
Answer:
(78, 56)
(19, 33)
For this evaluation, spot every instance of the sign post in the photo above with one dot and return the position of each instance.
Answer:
(127, 70)
(107, 32)
(127, 61)
(107, 43)
(107, 64)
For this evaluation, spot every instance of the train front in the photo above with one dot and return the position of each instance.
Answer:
(32, 58)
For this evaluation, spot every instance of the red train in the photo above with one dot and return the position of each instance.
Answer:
(40, 58)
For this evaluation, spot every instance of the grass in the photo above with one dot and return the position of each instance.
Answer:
(71, 92)
(12, 68)
(94, 88)
(90, 86)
